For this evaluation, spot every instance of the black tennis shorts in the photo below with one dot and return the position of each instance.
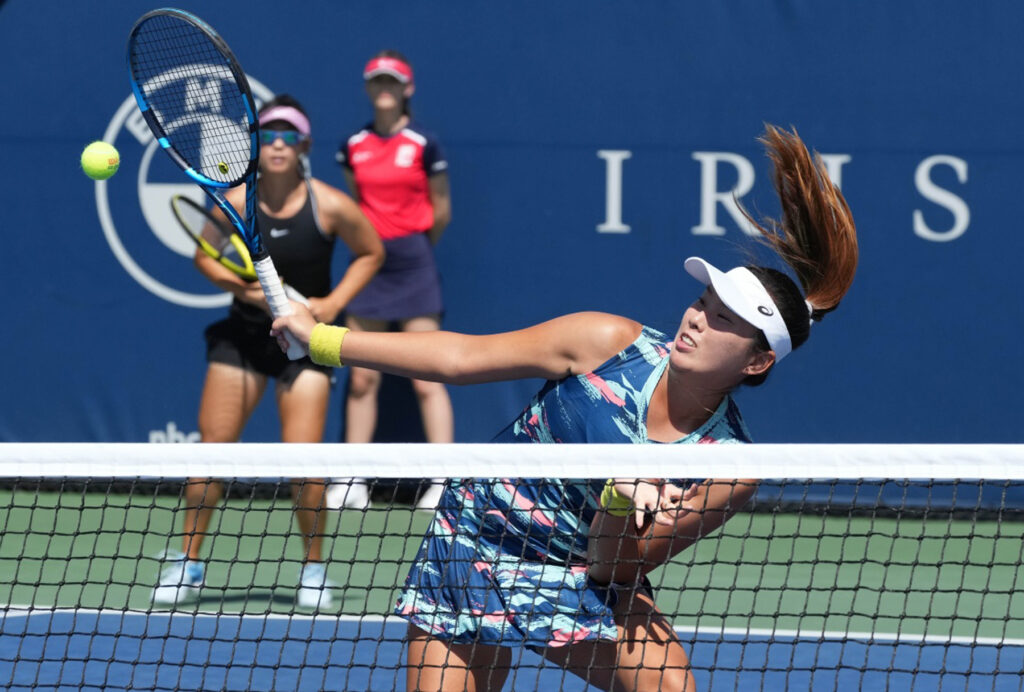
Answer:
(248, 345)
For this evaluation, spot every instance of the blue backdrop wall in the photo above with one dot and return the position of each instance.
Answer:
(591, 145)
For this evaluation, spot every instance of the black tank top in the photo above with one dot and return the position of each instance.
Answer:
(301, 253)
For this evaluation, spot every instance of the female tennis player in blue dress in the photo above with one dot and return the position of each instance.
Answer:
(560, 565)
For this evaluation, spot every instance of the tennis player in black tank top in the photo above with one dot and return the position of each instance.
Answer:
(302, 254)
(300, 217)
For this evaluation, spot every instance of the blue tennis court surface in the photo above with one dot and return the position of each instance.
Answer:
(92, 650)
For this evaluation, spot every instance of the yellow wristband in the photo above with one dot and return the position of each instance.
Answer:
(614, 502)
(325, 344)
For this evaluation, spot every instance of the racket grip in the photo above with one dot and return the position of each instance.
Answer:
(292, 294)
(278, 301)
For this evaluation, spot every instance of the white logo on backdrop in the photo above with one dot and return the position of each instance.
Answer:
(129, 133)
(713, 197)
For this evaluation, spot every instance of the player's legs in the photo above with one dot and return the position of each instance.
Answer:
(363, 386)
(302, 405)
(230, 395)
(360, 418)
(435, 404)
(435, 665)
(647, 655)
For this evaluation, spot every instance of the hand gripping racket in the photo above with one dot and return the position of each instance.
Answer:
(196, 100)
(220, 241)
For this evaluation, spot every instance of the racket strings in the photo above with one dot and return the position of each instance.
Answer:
(194, 97)
(201, 224)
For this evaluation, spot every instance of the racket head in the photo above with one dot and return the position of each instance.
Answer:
(195, 97)
(213, 236)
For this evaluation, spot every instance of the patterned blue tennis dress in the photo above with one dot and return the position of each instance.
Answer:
(504, 560)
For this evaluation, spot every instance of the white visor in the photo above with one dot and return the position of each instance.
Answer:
(742, 293)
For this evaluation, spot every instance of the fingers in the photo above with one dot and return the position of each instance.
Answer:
(280, 325)
(675, 503)
(641, 518)
(282, 342)
(660, 503)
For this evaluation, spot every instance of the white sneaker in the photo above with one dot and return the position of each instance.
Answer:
(314, 587)
(431, 496)
(180, 581)
(349, 493)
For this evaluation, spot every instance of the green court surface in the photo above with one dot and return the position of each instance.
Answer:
(808, 573)
(90, 550)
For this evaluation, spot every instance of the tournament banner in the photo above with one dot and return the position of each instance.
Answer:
(592, 148)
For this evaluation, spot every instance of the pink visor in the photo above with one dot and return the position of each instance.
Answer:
(398, 69)
(288, 114)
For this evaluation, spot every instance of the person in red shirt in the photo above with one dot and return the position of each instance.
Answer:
(397, 172)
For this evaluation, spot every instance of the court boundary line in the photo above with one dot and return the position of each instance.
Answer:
(9, 610)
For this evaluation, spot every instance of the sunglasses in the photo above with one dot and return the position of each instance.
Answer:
(289, 137)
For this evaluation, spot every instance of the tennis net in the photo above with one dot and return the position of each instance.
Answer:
(851, 566)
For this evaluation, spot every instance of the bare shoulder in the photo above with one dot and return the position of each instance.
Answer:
(608, 329)
(335, 206)
(595, 337)
(329, 197)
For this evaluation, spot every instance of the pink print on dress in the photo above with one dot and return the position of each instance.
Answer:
(561, 637)
(499, 618)
(517, 499)
(538, 517)
(605, 390)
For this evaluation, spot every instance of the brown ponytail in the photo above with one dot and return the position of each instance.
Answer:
(816, 237)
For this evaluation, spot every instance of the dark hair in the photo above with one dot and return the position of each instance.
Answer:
(816, 238)
(406, 108)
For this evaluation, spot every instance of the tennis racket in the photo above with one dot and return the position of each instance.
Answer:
(220, 241)
(196, 100)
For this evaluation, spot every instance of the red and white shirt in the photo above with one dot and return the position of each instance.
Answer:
(391, 176)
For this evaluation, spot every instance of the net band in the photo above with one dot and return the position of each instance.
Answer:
(816, 583)
(981, 461)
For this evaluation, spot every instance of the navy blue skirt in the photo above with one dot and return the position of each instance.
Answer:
(407, 286)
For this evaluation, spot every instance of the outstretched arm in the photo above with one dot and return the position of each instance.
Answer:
(564, 346)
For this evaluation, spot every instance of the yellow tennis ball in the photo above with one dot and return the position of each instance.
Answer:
(100, 160)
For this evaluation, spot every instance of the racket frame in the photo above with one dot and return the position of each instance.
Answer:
(248, 228)
(246, 272)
